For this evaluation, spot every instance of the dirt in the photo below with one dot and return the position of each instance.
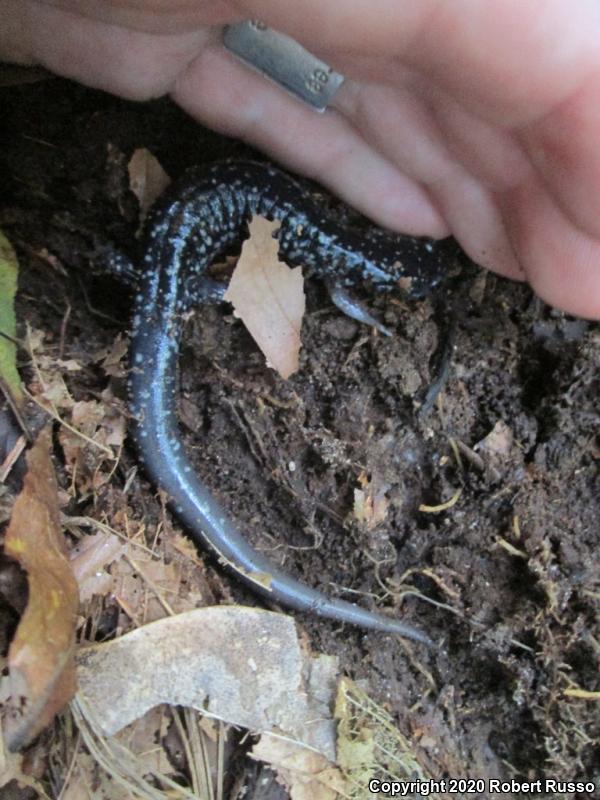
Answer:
(506, 577)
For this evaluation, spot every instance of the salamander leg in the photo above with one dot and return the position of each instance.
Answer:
(202, 290)
(353, 308)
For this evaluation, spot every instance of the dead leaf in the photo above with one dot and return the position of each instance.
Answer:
(241, 665)
(147, 179)
(40, 658)
(88, 561)
(113, 359)
(94, 427)
(145, 586)
(370, 503)
(69, 364)
(305, 774)
(48, 384)
(89, 781)
(268, 296)
(145, 759)
(143, 739)
(13, 770)
(498, 442)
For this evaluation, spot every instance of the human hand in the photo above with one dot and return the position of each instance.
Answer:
(476, 119)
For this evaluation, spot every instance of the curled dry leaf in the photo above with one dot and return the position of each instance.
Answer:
(147, 179)
(268, 296)
(242, 665)
(40, 659)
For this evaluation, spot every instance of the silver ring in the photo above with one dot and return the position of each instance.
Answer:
(284, 61)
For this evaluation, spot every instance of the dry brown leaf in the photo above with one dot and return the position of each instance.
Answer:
(51, 387)
(242, 665)
(101, 426)
(55, 392)
(307, 775)
(89, 781)
(147, 178)
(86, 416)
(113, 359)
(40, 659)
(99, 421)
(14, 768)
(146, 587)
(143, 739)
(268, 296)
(89, 558)
(370, 503)
(498, 442)
(69, 364)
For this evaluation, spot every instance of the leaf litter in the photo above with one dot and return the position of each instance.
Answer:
(40, 677)
(41, 669)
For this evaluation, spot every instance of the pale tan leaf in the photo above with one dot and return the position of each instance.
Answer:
(268, 296)
(88, 561)
(147, 178)
(498, 442)
(242, 665)
(145, 586)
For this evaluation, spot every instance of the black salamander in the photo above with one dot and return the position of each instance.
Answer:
(196, 220)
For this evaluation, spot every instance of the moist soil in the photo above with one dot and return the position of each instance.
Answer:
(480, 510)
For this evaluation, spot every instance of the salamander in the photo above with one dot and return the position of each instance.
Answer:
(194, 222)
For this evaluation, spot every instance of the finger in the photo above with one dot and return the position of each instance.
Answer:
(151, 16)
(398, 123)
(222, 93)
(565, 146)
(509, 62)
(561, 263)
(128, 63)
(493, 155)
(475, 220)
